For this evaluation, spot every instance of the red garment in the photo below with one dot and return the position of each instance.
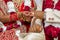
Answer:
(23, 7)
(13, 15)
(26, 8)
(32, 3)
(26, 24)
(7, 1)
(1, 29)
(59, 34)
(9, 35)
(51, 32)
(58, 5)
(11, 25)
(48, 4)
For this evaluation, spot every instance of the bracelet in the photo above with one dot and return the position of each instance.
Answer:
(13, 17)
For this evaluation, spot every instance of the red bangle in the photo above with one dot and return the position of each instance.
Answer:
(13, 16)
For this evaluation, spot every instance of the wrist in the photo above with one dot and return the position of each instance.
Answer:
(13, 17)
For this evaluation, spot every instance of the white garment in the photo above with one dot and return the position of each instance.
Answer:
(54, 24)
(27, 3)
(47, 22)
(38, 21)
(39, 4)
(2, 26)
(35, 36)
(57, 13)
(19, 23)
(11, 7)
(55, 1)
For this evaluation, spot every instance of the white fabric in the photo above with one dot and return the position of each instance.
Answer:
(11, 7)
(32, 36)
(27, 3)
(50, 14)
(57, 13)
(54, 24)
(56, 38)
(55, 1)
(38, 21)
(19, 23)
(48, 10)
(17, 33)
(32, 21)
(35, 36)
(39, 4)
(2, 26)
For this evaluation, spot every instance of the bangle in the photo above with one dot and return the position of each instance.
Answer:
(13, 17)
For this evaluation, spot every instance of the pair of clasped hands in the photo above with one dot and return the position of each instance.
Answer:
(6, 17)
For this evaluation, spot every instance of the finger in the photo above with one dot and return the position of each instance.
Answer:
(1, 13)
(3, 7)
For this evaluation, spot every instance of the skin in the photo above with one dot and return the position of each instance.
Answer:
(21, 15)
(6, 16)
(32, 9)
(35, 27)
(3, 7)
(37, 15)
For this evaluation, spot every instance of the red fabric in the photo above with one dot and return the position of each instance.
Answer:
(7, 1)
(50, 32)
(8, 35)
(23, 7)
(32, 3)
(1, 29)
(26, 24)
(48, 37)
(26, 8)
(58, 33)
(9, 26)
(58, 5)
(48, 4)
(13, 15)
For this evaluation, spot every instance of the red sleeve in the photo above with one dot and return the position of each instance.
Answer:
(7, 1)
(21, 8)
(32, 3)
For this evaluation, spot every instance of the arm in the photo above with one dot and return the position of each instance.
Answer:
(35, 6)
(3, 7)
(6, 18)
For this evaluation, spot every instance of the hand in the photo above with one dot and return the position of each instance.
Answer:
(39, 14)
(3, 7)
(26, 16)
(35, 28)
